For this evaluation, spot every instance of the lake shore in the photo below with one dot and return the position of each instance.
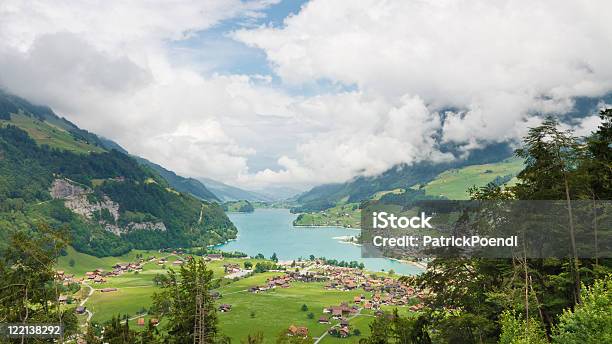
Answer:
(411, 262)
(269, 231)
(326, 226)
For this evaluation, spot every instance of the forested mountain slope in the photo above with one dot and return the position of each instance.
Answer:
(179, 183)
(55, 173)
(231, 193)
(182, 184)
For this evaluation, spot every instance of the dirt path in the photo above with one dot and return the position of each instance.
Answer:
(327, 331)
(89, 313)
(236, 292)
(135, 317)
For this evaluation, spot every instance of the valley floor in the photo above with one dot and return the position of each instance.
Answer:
(271, 311)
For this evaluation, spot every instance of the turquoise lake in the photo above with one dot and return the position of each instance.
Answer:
(268, 231)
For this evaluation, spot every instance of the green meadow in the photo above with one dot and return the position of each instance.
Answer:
(125, 301)
(270, 312)
(454, 183)
(46, 133)
(273, 311)
(84, 262)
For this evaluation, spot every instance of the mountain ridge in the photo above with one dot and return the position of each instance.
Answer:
(400, 176)
(54, 173)
(232, 193)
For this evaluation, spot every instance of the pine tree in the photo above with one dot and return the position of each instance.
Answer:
(178, 302)
(28, 290)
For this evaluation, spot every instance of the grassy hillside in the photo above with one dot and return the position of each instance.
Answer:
(450, 184)
(45, 133)
(344, 215)
(454, 183)
(82, 262)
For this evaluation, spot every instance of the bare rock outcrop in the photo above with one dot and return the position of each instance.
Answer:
(77, 198)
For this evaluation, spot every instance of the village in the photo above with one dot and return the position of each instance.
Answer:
(368, 294)
(377, 291)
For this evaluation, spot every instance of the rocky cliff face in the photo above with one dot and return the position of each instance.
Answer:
(150, 226)
(76, 198)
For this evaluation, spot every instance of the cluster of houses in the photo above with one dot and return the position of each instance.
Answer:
(338, 312)
(274, 282)
(121, 268)
(99, 275)
(231, 268)
(307, 276)
(385, 290)
(96, 276)
(297, 331)
(181, 261)
(66, 279)
(177, 262)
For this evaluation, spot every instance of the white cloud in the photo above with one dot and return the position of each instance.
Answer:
(117, 24)
(487, 65)
(106, 66)
(62, 68)
(494, 60)
(357, 136)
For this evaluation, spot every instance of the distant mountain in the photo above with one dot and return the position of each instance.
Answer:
(54, 173)
(182, 184)
(401, 176)
(279, 193)
(231, 193)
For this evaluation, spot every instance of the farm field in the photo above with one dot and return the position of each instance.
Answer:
(125, 301)
(274, 311)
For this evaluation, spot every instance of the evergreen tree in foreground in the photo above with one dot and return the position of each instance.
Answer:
(178, 303)
(28, 289)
